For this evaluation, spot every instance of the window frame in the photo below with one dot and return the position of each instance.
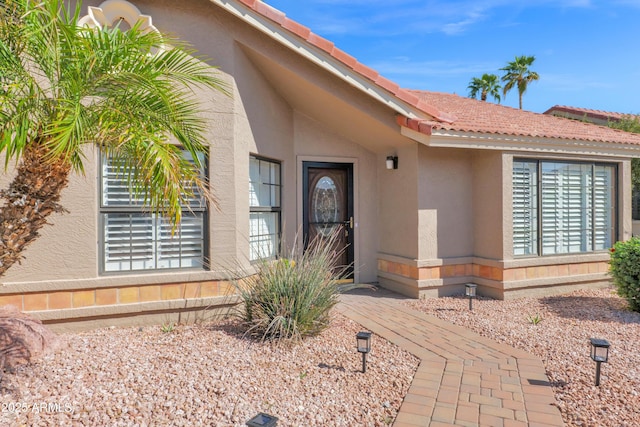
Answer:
(539, 205)
(104, 210)
(635, 204)
(277, 210)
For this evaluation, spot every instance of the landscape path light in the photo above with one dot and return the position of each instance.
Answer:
(470, 291)
(263, 420)
(599, 354)
(364, 346)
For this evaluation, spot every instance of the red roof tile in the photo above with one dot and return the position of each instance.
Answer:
(270, 12)
(596, 114)
(485, 117)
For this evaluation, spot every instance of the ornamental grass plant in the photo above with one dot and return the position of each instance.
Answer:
(291, 297)
(624, 266)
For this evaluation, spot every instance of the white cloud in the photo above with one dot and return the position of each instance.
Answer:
(460, 27)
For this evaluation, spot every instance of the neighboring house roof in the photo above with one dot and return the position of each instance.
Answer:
(586, 113)
(449, 111)
(486, 117)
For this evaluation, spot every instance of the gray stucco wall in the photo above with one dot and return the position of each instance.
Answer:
(489, 222)
(66, 249)
(446, 184)
(397, 204)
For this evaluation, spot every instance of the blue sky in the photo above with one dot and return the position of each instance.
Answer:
(587, 51)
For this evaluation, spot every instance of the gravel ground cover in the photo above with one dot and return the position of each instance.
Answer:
(210, 375)
(207, 375)
(560, 337)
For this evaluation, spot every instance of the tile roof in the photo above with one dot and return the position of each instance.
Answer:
(596, 114)
(486, 117)
(453, 112)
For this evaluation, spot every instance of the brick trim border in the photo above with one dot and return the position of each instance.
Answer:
(496, 277)
(117, 295)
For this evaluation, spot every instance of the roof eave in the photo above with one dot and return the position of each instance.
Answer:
(420, 126)
(488, 141)
(324, 54)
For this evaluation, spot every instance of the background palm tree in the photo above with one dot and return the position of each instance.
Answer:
(485, 85)
(517, 74)
(65, 88)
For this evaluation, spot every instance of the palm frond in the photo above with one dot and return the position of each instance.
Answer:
(132, 93)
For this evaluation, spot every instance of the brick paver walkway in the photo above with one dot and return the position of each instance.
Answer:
(463, 379)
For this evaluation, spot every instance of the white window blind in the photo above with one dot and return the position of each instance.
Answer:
(135, 240)
(566, 208)
(577, 208)
(604, 207)
(525, 208)
(265, 208)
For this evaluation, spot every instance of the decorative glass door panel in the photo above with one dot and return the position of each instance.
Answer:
(328, 207)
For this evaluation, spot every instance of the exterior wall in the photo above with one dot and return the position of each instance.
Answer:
(66, 249)
(59, 280)
(442, 219)
(490, 174)
(445, 185)
(486, 258)
(397, 204)
(544, 277)
(399, 230)
(445, 226)
(89, 307)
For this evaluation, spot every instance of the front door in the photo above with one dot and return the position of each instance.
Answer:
(328, 207)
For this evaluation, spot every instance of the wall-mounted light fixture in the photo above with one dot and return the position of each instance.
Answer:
(392, 162)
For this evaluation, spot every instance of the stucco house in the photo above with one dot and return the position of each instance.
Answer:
(431, 190)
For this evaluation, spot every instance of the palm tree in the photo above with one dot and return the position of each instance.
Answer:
(518, 74)
(486, 85)
(65, 88)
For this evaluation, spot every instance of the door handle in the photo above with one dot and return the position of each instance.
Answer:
(348, 226)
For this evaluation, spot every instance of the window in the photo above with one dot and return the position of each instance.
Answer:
(264, 208)
(134, 239)
(525, 208)
(563, 207)
(635, 204)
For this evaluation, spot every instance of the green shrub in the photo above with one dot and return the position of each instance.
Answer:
(290, 298)
(624, 266)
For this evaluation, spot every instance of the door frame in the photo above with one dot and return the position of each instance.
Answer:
(318, 161)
